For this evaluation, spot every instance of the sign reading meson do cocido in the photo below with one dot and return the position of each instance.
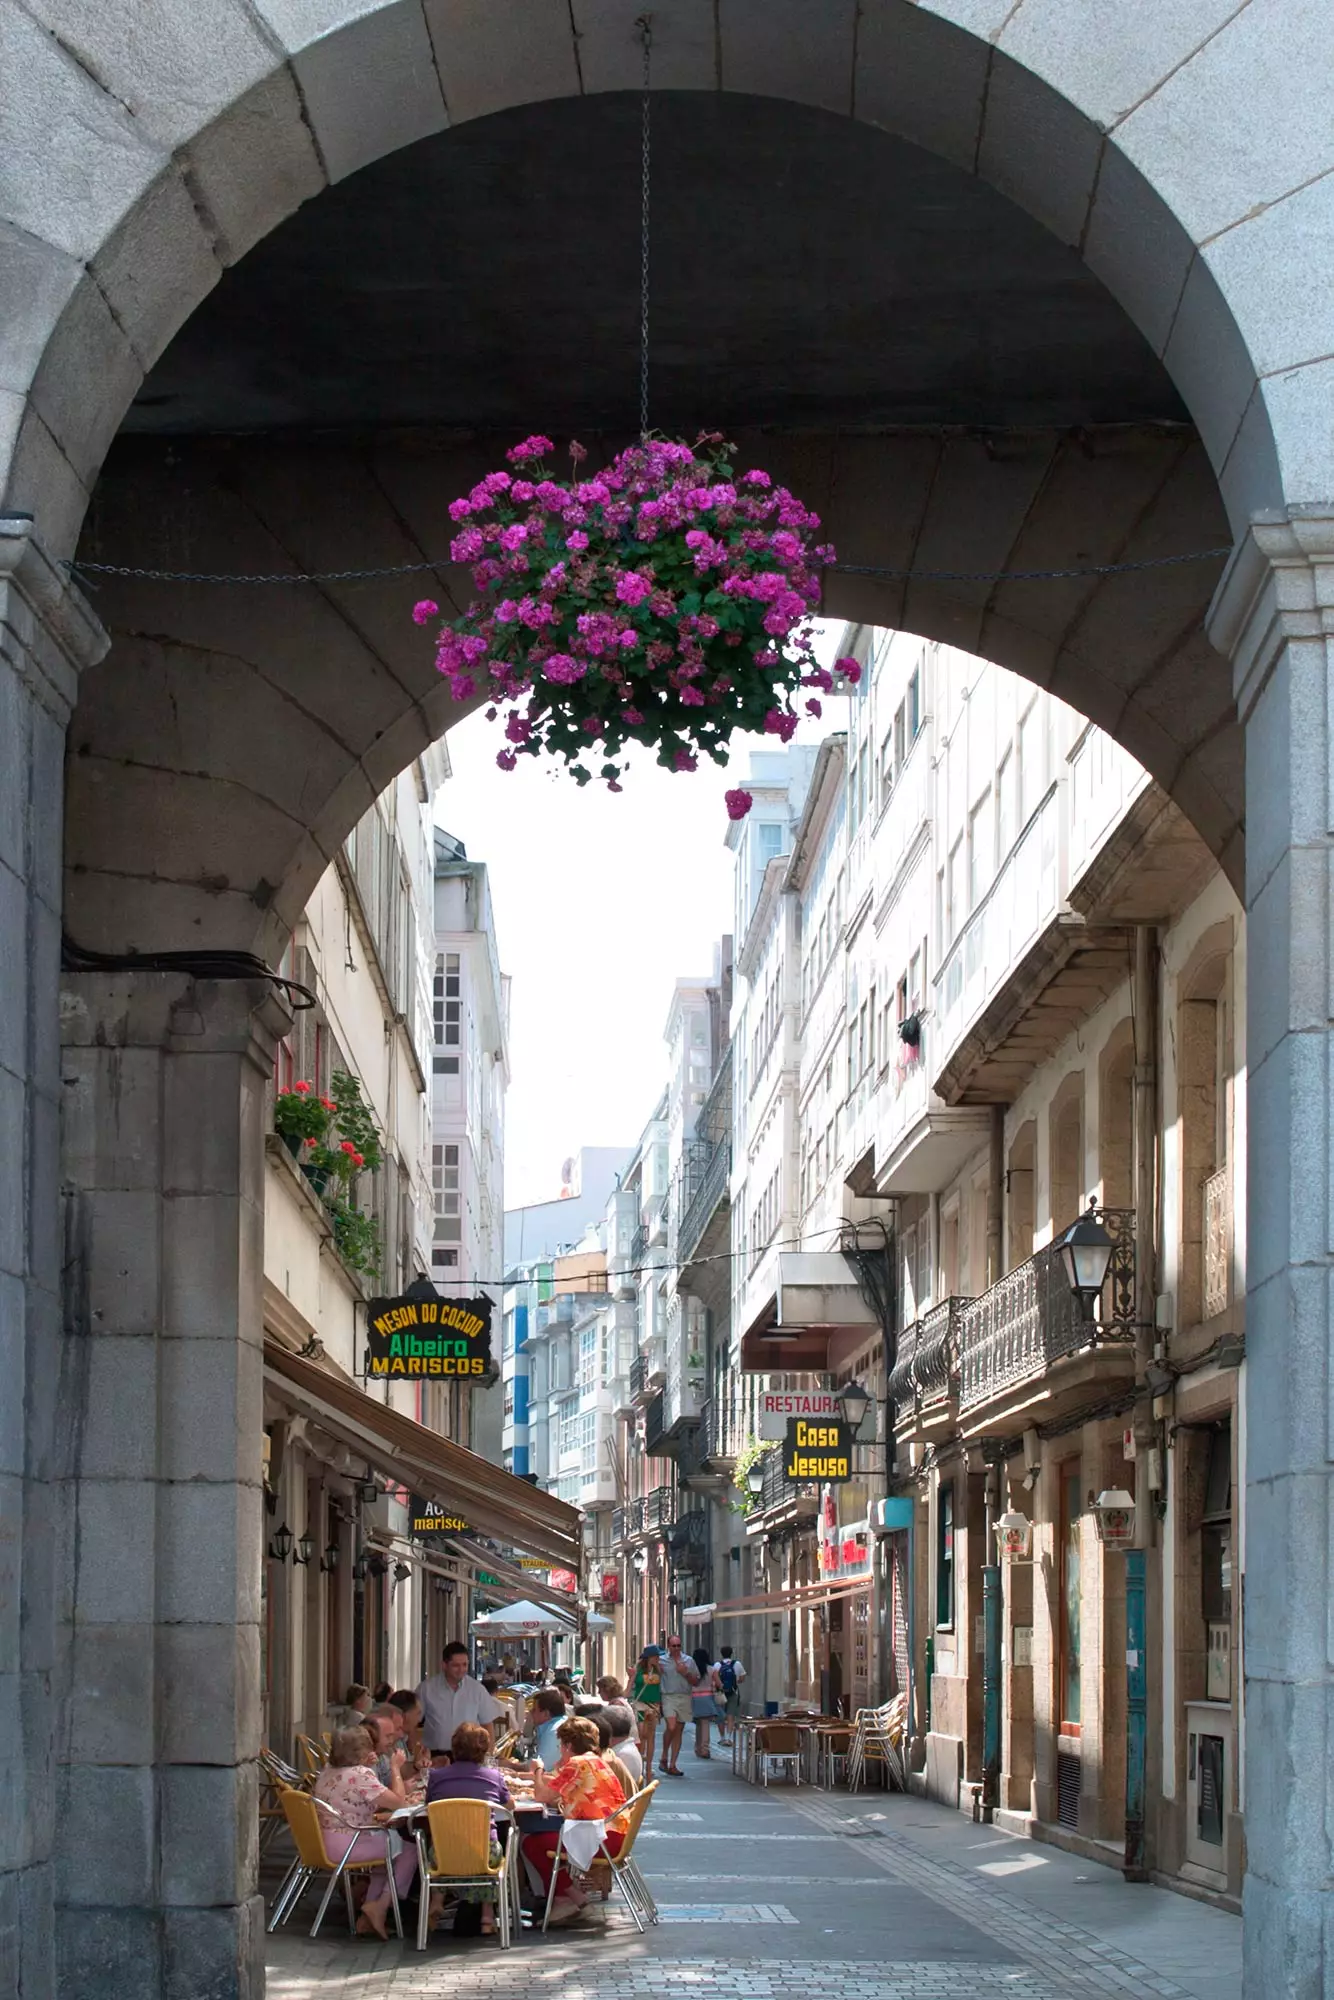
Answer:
(817, 1450)
(422, 1333)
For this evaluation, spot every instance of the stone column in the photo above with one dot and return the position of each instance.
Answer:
(47, 634)
(1273, 617)
(160, 1419)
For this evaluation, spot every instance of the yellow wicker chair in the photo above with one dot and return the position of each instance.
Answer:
(312, 1827)
(455, 1853)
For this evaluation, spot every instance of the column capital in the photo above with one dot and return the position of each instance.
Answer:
(1278, 588)
(48, 632)
(175, 1012)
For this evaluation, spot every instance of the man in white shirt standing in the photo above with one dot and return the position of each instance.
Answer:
(680, 1677)
(452, 1696)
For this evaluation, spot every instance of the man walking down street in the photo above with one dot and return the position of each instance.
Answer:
(452, 1696)
(679, 1678)
(731, 1673)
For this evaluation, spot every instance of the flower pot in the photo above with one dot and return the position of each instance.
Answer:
(292, 1143)
(319, 1177)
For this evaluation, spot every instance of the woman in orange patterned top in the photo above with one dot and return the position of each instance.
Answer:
(584, 1786)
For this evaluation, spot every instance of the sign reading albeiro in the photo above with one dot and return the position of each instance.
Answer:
(817, 1451)
(424, 1333)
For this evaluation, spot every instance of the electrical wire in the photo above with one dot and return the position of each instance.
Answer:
(197, 964)
(78, 567)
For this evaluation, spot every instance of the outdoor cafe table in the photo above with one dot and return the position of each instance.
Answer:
(813, 1743)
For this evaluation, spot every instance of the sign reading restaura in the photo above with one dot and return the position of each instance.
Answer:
(779, 1406)
(430, 1520)
(423, 1333)
(820, 1451)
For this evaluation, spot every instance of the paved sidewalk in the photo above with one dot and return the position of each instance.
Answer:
(816, 1896)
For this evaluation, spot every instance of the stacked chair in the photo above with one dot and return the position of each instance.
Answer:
(880, 1741)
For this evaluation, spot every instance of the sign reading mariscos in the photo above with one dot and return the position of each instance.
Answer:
(820, 1451)
(423, 1333)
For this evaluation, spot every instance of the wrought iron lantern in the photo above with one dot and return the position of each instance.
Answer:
(854, 1401)
(1114, 1515)
(329, 1560)
(1086, 1253)
(1014, 1537)
(639, 1560)
(755, 1480)
(280, 1545)
(304, 1550)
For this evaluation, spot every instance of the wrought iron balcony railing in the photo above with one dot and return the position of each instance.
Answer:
(638, 1377)
(926, 1367)
(654, 1424)
(659, 1509)
(689, 1543)
(1031, 1318)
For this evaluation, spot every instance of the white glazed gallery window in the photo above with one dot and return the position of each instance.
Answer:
(446, 1004)
(443, 1259)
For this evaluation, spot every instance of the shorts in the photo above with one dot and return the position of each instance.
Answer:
(678, 1706)
(732, 1702)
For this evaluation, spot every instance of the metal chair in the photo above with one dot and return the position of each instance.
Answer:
(778, 1743)
(624, 1871)
(308, 1822)
(880, 1740)
(454, 1852)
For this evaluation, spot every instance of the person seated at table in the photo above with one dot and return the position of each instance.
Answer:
(601, 1721)
(583, 1786)
(383, 1690)
(621, 1723)
(388, 1732)
(469, 1775)
(565, 1689)
(408, 1706)
(350, 1785)
(352, 1709)
(546, 1712)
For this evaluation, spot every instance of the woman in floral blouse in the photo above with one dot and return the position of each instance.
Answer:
(583, 1786)
(349, 1784)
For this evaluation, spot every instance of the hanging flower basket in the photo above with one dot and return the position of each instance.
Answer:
(663, 602)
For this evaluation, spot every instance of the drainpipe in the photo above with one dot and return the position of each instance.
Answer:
(1138, 1855)
(991, 1652)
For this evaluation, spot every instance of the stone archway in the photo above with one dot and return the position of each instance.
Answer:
(1188, 172)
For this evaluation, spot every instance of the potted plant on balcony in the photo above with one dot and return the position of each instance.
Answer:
(356, 1236)
(666, 601)
(301, 1118)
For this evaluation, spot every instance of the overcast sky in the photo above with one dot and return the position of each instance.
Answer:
(602, 901)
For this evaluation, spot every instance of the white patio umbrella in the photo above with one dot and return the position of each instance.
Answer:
(523, 1620)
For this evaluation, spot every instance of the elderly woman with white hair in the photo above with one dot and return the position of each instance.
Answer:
(350, 1785)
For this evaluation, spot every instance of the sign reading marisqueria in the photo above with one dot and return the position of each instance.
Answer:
(423, 1333)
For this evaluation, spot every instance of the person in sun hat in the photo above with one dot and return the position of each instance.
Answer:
(646, 1700)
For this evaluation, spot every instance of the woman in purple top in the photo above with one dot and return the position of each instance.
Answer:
(468, 1777)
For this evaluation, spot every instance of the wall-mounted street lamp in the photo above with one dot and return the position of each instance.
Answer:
(639, 1560)
(1014, 1537)
(1086, 1251)
(329, 1560)
(1114, 1517)
(402, 1571)
(854, 1400)
(304, 1550)
(755, 1480)
(280, 1545)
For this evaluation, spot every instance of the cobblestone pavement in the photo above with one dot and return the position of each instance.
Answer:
(796, 1892)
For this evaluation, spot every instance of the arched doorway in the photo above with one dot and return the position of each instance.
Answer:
(224, 747)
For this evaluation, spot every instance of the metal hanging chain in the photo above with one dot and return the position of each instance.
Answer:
(78, 568)
(645, 27)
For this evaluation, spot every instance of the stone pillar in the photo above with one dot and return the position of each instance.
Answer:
(1273, 616)
(160, 1420)
(47, 634)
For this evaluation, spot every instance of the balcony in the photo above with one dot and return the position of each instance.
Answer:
(779, 1501)
(689, 1544)
(627, 1522)
(1027, 1353)
(702, 1183)
(653, 1423)
(638, 1378)
(1216, 1286)
(723, 1432)
(659, 1510)
(924, 1381)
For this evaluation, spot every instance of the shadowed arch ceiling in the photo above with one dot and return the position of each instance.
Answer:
(808, 272)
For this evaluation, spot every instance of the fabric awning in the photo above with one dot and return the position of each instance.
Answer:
(514, 1582)
(491, 1499)
(765, 1603)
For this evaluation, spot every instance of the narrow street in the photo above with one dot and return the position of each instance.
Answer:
(766, 1894)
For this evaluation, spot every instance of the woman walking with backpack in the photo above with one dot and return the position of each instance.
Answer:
(730, 1673)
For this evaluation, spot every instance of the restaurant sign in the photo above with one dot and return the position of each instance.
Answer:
(817, 1451)
(430, 1520)
(422, 1333)
(779, 1406)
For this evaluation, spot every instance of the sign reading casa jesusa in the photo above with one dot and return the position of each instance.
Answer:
(424, 1333)
(817, 1450)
